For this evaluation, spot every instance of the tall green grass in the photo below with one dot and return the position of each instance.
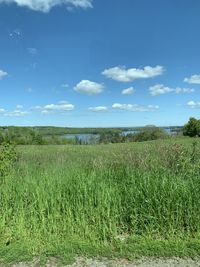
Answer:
(99, 194)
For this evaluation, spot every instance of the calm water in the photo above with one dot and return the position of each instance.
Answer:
(86, 138)
(93, 138)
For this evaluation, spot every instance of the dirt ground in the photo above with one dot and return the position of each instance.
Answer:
(82, 262)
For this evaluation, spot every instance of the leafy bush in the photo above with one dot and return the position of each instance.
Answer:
(111, 137)
(8, 156)
(147, 134)
(150, 133)
(192, 128)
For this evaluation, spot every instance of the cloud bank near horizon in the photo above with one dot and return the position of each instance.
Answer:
(47, 5)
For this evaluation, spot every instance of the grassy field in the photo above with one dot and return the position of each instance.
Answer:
(119, 200)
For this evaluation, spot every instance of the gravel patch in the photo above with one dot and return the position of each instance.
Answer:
(83, 262)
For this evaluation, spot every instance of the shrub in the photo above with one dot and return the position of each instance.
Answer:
(150, 133)
(8, 156)
(192, 128)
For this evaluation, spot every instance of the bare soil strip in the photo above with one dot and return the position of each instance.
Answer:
(83, 262)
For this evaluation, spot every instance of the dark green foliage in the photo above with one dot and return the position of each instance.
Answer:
(192, 128)
(150, 133)
(36, 136)
(45, 135)
(110, 137)
(37, 139)
(29, 136)
(145, 134)
(1, 138)
(8, 156)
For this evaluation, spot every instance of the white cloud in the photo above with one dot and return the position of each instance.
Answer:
(32, 51)
(62, 106)
(128, 91)
(46, 112)
(15, 113)
(160, 89)
(46, 5)
(121, 74)
(19, 106)
(2, 110)
(179, 90)
(37, 107)
(193, 104)
(98, 109)
(195, 79)
(3, 74)
(88, 87)
(63, 102)
(135, 107)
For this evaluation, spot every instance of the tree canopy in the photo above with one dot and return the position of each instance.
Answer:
(192, 128)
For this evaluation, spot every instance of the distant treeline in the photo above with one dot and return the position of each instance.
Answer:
(29, 136)
(145, 134)
(54, 135)
(53, 130)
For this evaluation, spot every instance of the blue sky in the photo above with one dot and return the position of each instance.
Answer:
(84, 63)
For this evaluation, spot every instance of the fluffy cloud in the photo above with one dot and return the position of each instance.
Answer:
(62, 106)
(16, 113)
(46, 5)
(88, 87)
(135, 107)
(98, 109)
(2, 110)
(193, 104)
(195, 79)
(160, 89)
(3, 74)
(19, 106)
(121, 74)
(128, 91)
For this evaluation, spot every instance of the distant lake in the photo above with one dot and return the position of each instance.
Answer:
(167, 130)
(85, 138)
(93, 138)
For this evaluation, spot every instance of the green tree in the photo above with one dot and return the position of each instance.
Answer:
(150, 133)
(1, 138)
(192, 128)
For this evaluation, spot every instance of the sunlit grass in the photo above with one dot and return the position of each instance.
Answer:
(80, 198)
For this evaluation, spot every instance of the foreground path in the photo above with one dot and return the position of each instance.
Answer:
(81, 262)
(176, 262)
